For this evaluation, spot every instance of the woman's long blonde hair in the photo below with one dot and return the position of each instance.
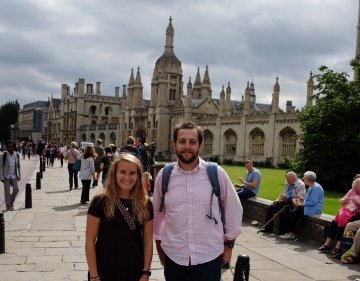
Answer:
(138, 193)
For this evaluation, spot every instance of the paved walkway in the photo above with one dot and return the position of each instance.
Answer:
(46, 242)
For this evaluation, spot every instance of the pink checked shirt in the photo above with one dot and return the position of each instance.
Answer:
(187, 235)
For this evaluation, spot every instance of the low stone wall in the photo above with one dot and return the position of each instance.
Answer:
(312, 228)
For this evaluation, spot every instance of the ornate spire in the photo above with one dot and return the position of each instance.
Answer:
(131, 80)
(138, 78)
(206, 79)
(169, 45)
(228, 88)
(197, 78)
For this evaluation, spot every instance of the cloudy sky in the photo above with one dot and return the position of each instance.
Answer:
(45, 43)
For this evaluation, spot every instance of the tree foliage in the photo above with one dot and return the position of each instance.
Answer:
(330, 137)
(8, 117)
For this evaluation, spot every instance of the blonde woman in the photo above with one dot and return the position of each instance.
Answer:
(119, 241)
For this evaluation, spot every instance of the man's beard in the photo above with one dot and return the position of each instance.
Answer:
(187, 160)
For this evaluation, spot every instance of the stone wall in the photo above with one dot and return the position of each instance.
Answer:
(312, 228)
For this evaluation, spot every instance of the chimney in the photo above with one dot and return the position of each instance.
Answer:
(124, 91)
(98, 88)
(89, 89)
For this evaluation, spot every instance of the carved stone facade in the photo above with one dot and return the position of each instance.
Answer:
(234, 130)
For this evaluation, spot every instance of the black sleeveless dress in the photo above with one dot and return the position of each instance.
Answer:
(119, 251)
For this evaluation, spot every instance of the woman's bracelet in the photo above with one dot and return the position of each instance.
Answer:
(96, 278)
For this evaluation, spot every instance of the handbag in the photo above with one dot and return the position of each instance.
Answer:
(77, 165)
(343, 216)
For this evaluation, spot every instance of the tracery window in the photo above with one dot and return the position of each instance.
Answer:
(208, 142)
(257, 142)
(230, 142)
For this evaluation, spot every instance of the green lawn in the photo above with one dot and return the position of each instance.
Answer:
(272, 184)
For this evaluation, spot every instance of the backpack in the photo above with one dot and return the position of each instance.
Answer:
(211, 168)
(5, 155)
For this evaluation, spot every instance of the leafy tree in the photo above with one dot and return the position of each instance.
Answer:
(8, 116)
(331, 131)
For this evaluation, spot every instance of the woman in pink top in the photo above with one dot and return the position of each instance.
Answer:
(71, 155)
(351, 201)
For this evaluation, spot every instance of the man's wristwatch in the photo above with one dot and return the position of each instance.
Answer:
(146, 271)
(229, 243)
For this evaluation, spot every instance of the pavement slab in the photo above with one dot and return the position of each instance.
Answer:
(46, 242)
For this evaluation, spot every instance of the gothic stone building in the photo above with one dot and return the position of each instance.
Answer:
(234, 130)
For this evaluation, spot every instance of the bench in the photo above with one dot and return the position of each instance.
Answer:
(312, 228)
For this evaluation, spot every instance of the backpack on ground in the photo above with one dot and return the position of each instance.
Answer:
(211, 168)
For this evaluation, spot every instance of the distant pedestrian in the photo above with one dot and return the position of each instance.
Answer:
(47, 153)
(130, 147)
(53, 153)
(71, 156)
(139, 144)
(62, 150)
(106, 163)
(10, 173)
(100, 152)
(87, 172)
(119, 227)
(40, 148)
(28, 150)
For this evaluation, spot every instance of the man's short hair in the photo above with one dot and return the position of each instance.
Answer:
(130, 140)
(9, 142)
(188, 125)
(99, 141)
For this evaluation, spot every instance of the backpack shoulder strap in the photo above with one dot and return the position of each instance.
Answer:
(211, 168)
(4, 158)
(165, 182)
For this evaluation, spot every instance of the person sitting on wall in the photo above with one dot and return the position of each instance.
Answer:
(294, 189)
(312, 205)
(352, 256)
(251, 182)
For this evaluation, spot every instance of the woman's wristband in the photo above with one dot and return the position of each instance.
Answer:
(96, 278)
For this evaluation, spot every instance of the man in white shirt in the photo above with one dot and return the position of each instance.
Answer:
(10, 173)
(189, 232)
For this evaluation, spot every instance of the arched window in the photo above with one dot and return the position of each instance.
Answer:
(92, 109)
(83, 137)
(208, 142)
(113, 137)
(288, 142)
(102, 136)
(257, 142)
(92, 138)
(172, 94)
(107, 110)
(230, 142)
